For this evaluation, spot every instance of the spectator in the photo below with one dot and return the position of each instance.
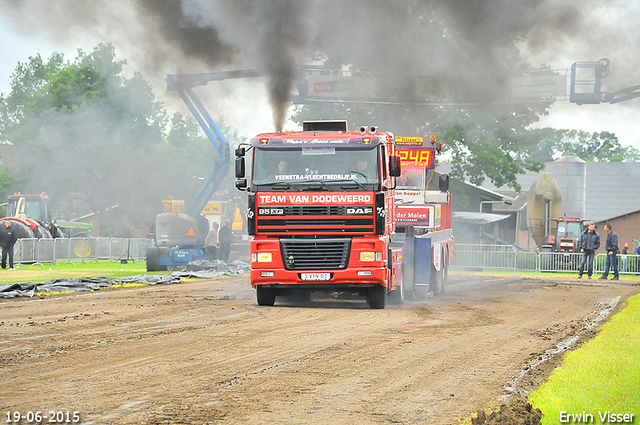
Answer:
(225, 240)
(8, 238)
(211, 243)
(362, 168)
(589, 242)
(637, 252)
(625, 252)
(612, 253)
(282, 168)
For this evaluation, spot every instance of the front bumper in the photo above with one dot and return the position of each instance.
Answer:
(347, 278)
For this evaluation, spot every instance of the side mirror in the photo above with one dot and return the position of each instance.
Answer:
(394, 166)
(443, 183)
(240, 151)
(241, 184)
(240, 167)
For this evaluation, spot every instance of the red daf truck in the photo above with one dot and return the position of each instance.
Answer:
(328, 211)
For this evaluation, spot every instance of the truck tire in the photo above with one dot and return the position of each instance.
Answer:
(377, 297)
(152, 260)
(41, 232)
(265, 296)
(22, 230)
(56, 231)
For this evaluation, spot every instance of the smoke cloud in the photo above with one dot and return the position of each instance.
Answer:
(272, 35)
(472, 46)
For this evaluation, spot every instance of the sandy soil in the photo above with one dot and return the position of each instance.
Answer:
(204, 352)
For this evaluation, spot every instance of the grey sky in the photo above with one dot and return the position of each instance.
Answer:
(560, 36)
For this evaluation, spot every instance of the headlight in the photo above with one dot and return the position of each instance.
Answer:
(261, 257)
(370, 256)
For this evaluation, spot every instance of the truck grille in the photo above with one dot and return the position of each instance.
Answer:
(315, 210)
(315, 254)
(306, 224)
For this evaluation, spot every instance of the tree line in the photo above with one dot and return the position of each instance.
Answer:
(81, 131)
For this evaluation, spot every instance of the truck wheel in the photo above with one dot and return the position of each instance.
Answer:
(22, 230)
(41, 232)
(152, 260)
(56, 231)
(266, 296)
(377, 297)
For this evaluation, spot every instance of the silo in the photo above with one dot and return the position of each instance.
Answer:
(544, 206)
(570, 172)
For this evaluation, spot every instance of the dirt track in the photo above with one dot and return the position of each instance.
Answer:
(203, 352)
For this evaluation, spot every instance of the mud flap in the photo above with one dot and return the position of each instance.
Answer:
(422, 264)
(408, 250)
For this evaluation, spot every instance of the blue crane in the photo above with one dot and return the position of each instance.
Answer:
(180, 236)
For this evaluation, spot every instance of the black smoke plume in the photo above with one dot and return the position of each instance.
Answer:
(471, 46)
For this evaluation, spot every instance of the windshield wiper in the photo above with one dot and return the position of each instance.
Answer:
(360, 185)
(327, 185)
(320, 182)
(278, 185)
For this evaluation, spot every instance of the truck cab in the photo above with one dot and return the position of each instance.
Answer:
(31, 215)
(320, 210)
(566, 237)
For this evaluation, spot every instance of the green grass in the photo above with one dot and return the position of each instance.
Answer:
(39, 274)
(603, 375)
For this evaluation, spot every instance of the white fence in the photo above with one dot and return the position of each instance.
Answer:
(61, 250)
(507, 257)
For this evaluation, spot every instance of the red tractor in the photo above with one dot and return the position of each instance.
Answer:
(563, 246)
(30, 216)
(568, 230)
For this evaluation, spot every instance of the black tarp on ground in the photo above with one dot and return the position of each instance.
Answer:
(197, 269)
(208, 269)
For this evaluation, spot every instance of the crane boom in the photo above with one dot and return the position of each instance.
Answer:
(183, 84)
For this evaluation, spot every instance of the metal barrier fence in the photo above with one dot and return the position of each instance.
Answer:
(467, 256)
(507, 257)
(62, 250)
(493, 257)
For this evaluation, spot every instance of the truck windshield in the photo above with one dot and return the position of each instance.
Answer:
(569, 229)
(305, 165)
(31, 210)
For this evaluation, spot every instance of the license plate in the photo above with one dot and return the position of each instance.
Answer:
(315, 276)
